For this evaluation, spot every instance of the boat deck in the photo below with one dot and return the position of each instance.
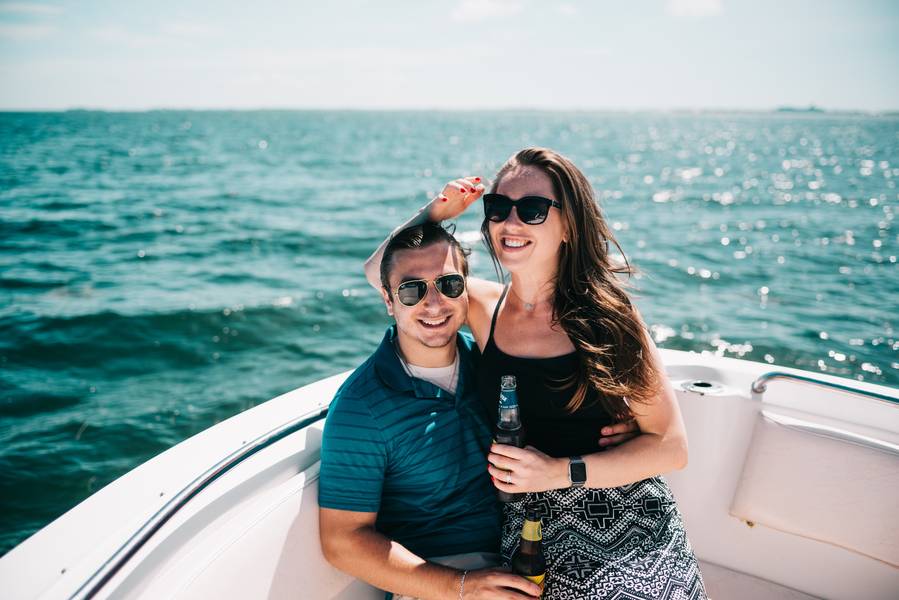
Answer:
(724, 583)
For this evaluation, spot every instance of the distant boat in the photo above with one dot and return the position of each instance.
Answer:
(791, 492)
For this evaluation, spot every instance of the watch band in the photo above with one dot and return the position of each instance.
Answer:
(577, 471)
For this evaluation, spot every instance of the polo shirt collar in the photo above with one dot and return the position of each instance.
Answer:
(392, 373)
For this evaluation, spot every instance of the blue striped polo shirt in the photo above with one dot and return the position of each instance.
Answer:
(413, 453)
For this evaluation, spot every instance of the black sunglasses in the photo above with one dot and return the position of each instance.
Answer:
(531, 209)
(410, 293)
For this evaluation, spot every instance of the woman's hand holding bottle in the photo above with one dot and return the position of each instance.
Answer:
(516, 470)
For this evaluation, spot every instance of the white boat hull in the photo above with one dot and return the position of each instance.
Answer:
(253, 531)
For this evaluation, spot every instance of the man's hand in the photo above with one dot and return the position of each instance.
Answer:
(618, 433)
(498, 584)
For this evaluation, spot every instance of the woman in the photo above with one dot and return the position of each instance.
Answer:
(568, 331)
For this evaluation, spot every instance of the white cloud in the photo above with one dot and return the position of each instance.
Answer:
(24, 33)
(694, 8)
(482, 10)
(568, 10)
(28, 8)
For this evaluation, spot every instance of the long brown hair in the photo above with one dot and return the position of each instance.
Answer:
(590, 302)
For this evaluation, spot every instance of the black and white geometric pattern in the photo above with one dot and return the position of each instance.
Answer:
(611, 543)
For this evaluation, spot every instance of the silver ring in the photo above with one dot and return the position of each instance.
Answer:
(509, 477)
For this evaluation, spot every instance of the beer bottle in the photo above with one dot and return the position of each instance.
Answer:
(528, 560)
(508, 426)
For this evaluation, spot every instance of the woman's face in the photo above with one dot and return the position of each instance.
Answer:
(522, 247)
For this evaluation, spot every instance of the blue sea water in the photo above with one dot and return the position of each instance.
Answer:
(162, 271)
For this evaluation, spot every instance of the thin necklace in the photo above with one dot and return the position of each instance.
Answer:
(528, 306)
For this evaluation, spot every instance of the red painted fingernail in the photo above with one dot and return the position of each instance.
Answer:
(443, 199)
(477, 178)
(464, 191)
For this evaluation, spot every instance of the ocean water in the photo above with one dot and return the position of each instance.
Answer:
(162, 271)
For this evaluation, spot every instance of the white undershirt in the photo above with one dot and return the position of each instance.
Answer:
(443, 377)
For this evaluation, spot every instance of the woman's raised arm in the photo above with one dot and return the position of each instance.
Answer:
(457, 196)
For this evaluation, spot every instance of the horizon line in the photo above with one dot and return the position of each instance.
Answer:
(784, 109)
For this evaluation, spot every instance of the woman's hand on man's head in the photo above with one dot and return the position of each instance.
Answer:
(456, 196)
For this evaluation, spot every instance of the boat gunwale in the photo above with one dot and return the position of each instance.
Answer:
(94, 584)
(760, 385)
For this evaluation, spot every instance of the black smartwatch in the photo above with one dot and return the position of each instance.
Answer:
(577, 471)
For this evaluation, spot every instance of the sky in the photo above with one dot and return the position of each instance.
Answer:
(455, 54)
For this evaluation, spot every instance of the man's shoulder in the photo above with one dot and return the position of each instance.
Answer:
(350, 414)
(361, 384)
(366, 391)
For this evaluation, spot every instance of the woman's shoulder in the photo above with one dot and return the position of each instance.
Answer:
(483, 296)
(481, 290)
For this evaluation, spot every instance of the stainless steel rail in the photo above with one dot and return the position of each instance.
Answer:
(114, 563)
(760, 385)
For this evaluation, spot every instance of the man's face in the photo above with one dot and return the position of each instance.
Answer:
(434, 321)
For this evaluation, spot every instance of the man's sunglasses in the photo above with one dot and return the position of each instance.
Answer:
(531, 209)
(410, 293)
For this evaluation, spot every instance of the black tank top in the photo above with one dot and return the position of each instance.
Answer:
(549, 426)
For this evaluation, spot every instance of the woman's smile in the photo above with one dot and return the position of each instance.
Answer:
(514, 243)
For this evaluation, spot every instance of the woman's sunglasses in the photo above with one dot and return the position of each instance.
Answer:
(531, 209)
(410, 293)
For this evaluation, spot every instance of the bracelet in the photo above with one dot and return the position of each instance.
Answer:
(462, 584)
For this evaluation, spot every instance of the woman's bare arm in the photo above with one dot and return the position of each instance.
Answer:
(457, 196)
(660, 448)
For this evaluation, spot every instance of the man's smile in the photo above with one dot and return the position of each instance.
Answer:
(435, 323)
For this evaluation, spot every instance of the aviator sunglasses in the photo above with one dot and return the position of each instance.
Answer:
(531, 209)
(410, 293)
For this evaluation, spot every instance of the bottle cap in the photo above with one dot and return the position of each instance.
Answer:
(508, 382)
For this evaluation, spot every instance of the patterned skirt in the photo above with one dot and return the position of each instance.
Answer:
(612, 543)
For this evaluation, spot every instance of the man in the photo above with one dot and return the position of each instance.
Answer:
(404, 468)
(406, 503)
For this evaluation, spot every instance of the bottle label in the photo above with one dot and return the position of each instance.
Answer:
(508, 399)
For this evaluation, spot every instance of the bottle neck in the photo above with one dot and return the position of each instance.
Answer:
(532, 532)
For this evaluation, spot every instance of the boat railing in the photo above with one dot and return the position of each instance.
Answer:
(120, 557)
(760, 385)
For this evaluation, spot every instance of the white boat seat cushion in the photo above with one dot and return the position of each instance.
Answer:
(822, 482)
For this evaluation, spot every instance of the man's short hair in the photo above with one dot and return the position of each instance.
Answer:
(416, 237)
